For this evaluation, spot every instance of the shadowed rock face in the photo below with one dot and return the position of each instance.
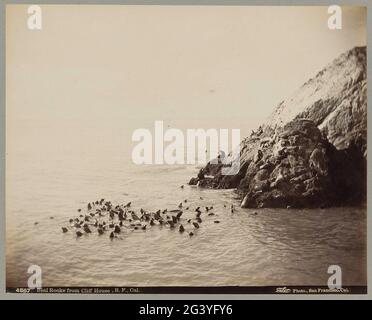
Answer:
(300, 168)
(314, 158)
(292, 170)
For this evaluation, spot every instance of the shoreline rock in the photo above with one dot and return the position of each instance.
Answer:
(315, 159)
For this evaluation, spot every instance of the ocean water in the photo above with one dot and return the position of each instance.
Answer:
(273, 247)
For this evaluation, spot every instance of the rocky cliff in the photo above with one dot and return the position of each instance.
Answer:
(312, 150)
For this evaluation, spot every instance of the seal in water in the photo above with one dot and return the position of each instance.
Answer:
(128, 205)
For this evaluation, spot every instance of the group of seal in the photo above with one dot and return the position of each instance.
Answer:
(103, 217)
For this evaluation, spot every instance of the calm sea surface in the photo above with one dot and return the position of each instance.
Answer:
(274, 247)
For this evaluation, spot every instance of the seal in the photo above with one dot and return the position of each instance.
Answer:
(86, 228)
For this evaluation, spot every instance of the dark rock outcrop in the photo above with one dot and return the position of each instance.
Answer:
(311, 157)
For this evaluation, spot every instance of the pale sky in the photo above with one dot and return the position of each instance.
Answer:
(191, 66)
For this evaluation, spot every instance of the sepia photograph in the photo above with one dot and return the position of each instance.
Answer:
(186, 149)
